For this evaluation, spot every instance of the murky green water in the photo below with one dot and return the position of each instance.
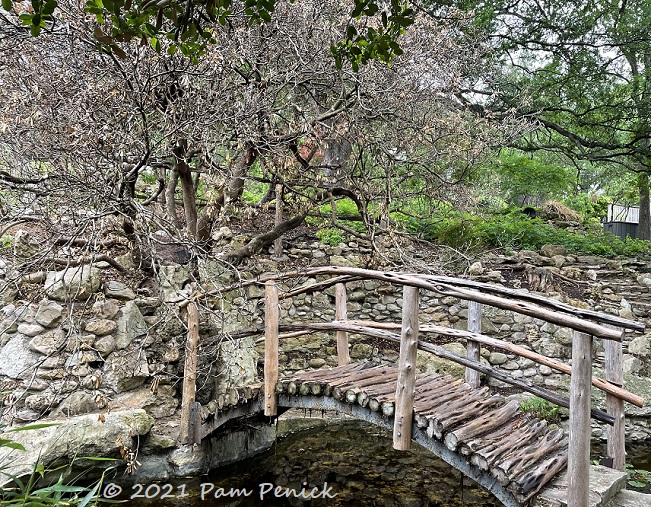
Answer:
(343, 463)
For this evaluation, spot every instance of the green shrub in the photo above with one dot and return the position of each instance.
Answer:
(330, 237)
(542, 409)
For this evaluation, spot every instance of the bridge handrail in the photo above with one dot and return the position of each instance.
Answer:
(525, 308)
(347, 275)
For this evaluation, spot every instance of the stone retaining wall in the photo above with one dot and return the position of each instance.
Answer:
(119, 349)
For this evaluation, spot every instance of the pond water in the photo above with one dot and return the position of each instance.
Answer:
(343, 463)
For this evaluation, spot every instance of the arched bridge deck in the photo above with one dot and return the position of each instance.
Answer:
(481, 434)
(470, 429)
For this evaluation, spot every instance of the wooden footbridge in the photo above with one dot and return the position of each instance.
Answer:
(486, 437)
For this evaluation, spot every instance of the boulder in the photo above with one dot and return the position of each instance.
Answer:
(49, 342)
(105, 345)
(640, 346)
(49, 313)
(173, 277)
(476, 269)
(161, 404)
(83, 435)
(106, 309)
(101, 327)
(25, 246)
(130, 325)
(552, 250)
(30, 329)
(125, 370)
(119, 291)
(17, 360)
(79, 402)
(429, 363)
(72, 284)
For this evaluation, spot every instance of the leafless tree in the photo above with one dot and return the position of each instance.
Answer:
(147, 141)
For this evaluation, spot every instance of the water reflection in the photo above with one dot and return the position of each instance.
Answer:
(352, 461)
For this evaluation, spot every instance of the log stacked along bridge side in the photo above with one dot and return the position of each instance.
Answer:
(520, 452)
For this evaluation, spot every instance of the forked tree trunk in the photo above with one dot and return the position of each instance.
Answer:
(232, 191)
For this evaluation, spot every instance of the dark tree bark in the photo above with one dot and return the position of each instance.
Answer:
(644, 225)
(170, 202)
(187, 186)
(259, 242)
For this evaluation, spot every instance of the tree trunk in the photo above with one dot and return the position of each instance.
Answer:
(170, 192)
(187, 186)
(235, 185)
(644, 226)
(162, 177)
(232, 191)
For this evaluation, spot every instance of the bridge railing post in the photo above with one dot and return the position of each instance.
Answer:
(472, 347)
(271, 312)
(406, 383)
(341, 314)
(187, 430)
(616, 446)
(578, 465)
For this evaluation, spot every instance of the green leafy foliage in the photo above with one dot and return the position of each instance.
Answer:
(377, 42)
(188, 26)
(638, 479)
(330, 236)
(26, 493)
(5, 243)
(515, 230)
(526, 179)
(593, 208)
(542, 409)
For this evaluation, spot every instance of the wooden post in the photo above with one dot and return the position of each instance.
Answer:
(578, 466)
(278, 243)
(406, 383)
(270, 347)
(189, 375)
(472, 347)
(341, 314)
(615, 406)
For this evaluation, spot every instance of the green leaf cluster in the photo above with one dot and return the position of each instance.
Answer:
(38, 18)
(375, 43)
(542, 409)
(330, 236)
(638, 479)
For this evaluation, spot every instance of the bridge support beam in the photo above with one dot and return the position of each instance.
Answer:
(187, 431)
(472, 347)
(578, 465)
(341, 314)
(270, 347)
(614, 405)
(406, 382)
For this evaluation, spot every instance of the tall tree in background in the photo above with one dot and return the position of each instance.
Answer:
(582, 70)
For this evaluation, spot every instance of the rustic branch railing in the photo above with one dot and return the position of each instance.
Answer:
(476, 293)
